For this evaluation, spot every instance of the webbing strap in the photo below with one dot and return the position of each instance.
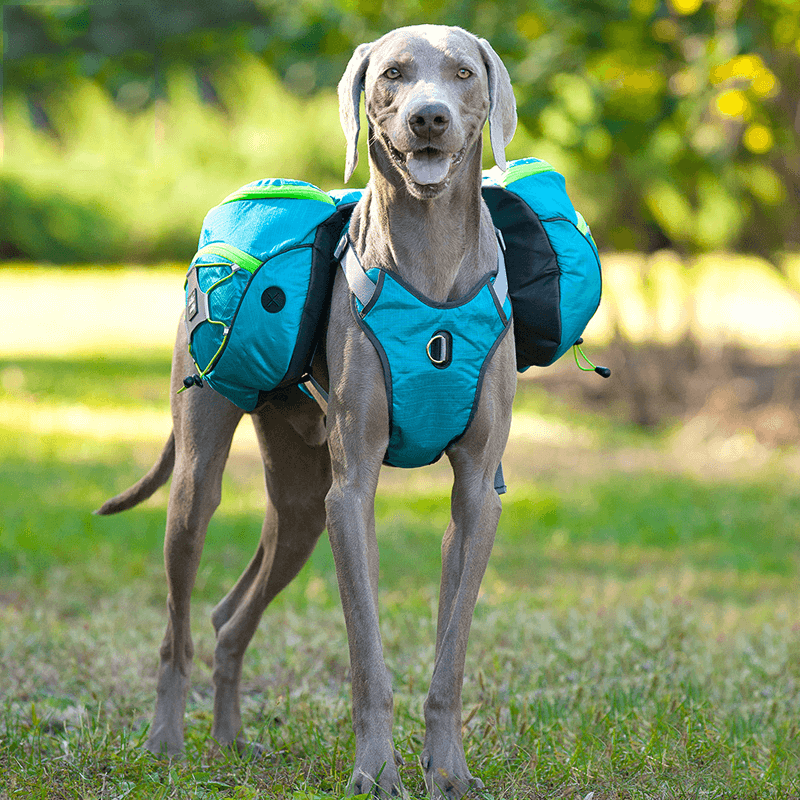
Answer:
(196, 303)
(499, 481)
(501, 279)
(358, 281)
(363, 288)
(316, 391)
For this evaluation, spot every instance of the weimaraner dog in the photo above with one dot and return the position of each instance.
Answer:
(429, 91)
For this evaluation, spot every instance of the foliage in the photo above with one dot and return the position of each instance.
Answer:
(672, 119)
(116, 185)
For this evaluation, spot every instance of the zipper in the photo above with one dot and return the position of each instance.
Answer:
(283, 191)
(234, 254)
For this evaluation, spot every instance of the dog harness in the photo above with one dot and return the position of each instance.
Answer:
(434, 355)
(259, 286)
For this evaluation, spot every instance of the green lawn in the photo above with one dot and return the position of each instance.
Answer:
(638, 633)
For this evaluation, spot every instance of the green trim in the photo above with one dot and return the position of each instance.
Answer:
(520, 171)
(582, 225)
(239, 257)
(284, 191)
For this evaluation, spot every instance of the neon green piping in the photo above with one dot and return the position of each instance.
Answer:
(239, 257)
(520, 171)
(219, 350)
(287, 191)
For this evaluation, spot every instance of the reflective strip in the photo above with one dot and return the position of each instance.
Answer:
(239, 257)
(280, 192)
(196, 304)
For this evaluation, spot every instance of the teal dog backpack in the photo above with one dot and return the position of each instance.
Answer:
(259, 285)
(552, 262)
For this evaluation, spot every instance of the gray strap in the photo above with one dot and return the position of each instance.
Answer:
(499, 482)
(501, 279)
(360, 285)
(196, 303)
(317, 392)
(363, 287)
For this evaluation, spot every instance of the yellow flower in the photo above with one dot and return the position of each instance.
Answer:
(685, 7)
(733, 103)
(758, 139)
(764, 83)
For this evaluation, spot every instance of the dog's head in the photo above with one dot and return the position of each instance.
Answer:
(429, 90)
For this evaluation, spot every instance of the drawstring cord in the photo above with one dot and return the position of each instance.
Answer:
(605, 372)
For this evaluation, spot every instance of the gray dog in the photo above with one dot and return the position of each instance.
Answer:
(429, 91)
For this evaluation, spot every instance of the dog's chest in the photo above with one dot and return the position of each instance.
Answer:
(434, 357)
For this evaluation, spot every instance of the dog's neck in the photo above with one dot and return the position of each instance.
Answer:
(434, 244)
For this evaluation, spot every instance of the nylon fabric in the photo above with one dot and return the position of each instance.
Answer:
(429, 407)
(249, 345)
(553, 264)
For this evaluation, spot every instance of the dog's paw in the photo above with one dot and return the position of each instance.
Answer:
(382, 782)
(449, 784)
(164, 748)
(247, 750)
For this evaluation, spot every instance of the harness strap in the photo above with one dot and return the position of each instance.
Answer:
(316, 391)
(501, 279)
(499, 481)
(362, 286)
(358, 281)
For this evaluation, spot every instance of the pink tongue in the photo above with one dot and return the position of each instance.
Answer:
(426, 168)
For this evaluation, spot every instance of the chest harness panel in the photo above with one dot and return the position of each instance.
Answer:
(434, 355)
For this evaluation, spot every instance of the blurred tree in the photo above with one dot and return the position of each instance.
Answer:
(675, 121)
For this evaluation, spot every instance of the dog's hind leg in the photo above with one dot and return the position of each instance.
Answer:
(204, 423)
(297, 478)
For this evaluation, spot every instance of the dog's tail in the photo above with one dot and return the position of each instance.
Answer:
(142, 489)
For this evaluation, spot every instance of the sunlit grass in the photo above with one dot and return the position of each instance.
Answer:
(635, 637)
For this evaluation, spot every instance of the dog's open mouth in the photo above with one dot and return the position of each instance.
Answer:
(427, 166)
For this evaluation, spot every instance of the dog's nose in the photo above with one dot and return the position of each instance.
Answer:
(432, 119)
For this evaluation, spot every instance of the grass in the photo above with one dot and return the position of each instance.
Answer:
(636, 636)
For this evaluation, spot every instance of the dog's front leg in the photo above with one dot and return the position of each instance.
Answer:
(351, 527)
(467, 544)
(466, 547)
(357, 438)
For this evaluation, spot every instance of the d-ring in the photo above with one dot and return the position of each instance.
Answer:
(440, 349)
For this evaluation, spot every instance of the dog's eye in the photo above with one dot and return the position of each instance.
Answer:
(464, 73)
(392, 73)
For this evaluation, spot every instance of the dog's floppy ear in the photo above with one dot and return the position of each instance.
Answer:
(350, 87)
(502, 105)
